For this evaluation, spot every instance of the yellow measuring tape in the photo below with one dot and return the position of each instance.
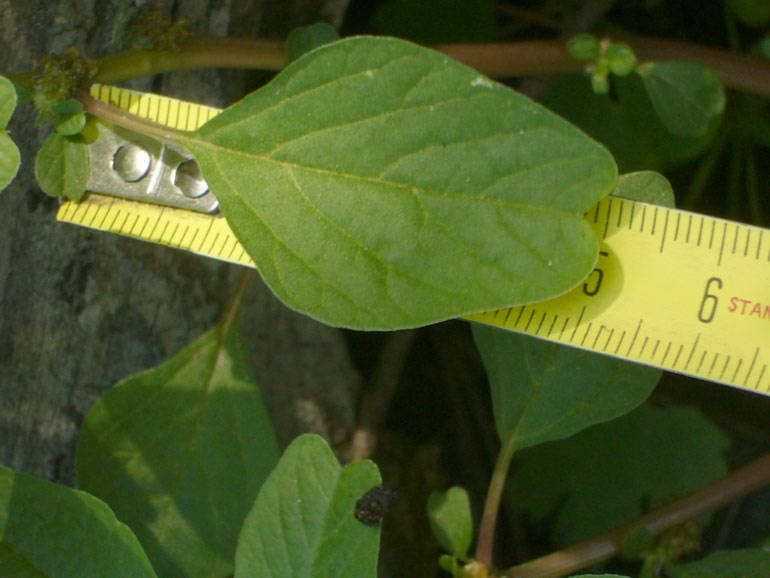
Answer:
(676, 290)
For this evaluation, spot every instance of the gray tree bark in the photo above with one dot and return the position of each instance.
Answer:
(81, 310)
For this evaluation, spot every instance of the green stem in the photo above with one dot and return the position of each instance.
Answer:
(199, 52)
(740, 71)
(706, 500)
(485, 544)
(119, 117)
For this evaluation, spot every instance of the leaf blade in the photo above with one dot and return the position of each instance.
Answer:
(183, 483)
(63, 166)
(747, 563)
(302, 523)
(544, 391)
(686, 95)
(643, 457)
(8, 99)
(41, 521)
(369, 181)
(449, 514)
(10, 159)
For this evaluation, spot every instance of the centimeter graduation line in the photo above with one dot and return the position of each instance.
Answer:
(671, 289)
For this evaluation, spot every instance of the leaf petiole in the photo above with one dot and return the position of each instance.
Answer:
(486, 539)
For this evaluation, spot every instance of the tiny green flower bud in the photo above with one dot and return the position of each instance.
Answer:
(584, 47)
(621, 58)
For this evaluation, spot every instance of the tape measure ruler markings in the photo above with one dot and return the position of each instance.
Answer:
(677, 290)
(671, 289)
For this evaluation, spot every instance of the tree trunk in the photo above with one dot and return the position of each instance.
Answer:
(81, 310)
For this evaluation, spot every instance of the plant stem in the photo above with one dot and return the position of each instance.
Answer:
(743, 72)
(485, 544)
(710, 498)
(198, 52)
(739, 71)
(115, 115)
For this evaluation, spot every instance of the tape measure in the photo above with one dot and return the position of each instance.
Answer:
(671, 289)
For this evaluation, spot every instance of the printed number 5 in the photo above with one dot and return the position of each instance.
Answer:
(599, 278)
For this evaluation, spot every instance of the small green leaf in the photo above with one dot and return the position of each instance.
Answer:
(686, 95)
(584, 47)
(306, 38)
(303, 522)
(754, 563)
(544, 391)
(51, 531)
(10, 159)
(646, 187)
(604, 476)
(7, 101)
(70, 118)
(450, 519)
(620, 58)
(69, 125)
(63, 166)
(380, 185)
(180, 452)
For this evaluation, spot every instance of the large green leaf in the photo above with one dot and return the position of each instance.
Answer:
(52, 531)
(9, 153)
(544, 391)
(728, 564)
(380, 185)
(303, 524)
(612, 473)
(63, 166)
(180, 452)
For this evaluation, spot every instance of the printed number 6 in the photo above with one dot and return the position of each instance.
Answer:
(707, 312)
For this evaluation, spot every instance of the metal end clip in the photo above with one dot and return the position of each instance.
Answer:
(134, 166)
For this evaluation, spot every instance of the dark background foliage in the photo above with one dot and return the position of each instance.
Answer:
(80, 310)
